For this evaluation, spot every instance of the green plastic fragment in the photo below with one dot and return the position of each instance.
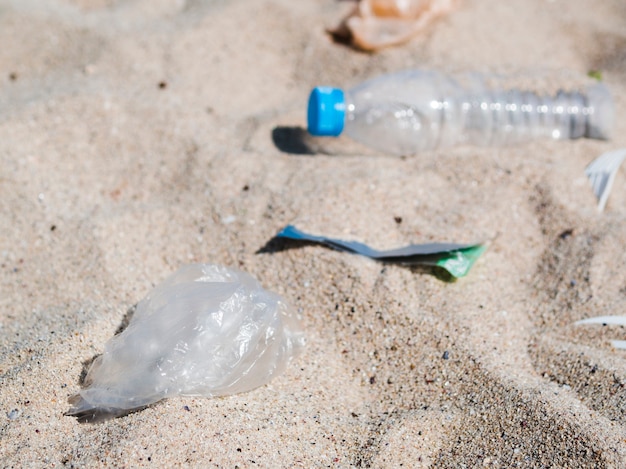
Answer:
(595, 74)
(458, 263)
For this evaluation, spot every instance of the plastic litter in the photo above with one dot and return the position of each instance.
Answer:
(601, 173)
(375, 24)
(456, 259)
(607, 320)
(418, 110)
(205, 331)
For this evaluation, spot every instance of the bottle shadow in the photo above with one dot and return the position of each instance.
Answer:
(298, 141)
(293, 140)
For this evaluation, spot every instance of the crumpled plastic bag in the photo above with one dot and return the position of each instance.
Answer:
(205, 331)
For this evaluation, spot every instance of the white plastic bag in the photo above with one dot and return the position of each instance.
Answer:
(205, 331)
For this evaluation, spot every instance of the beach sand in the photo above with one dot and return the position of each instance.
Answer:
(137, 136)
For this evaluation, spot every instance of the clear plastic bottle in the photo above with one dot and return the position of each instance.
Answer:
(418, 110)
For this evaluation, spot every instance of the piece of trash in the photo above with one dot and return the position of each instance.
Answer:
(375, 24)
(418, 110)
(456, 259)
(205, 331)
(601, 173)
(605, 321)
(595, 74)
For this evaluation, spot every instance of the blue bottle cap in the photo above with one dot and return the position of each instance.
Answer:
(326, 112)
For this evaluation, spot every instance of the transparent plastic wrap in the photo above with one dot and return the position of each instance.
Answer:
(417, 110)
(205, 331)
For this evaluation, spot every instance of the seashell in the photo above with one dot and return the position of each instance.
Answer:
(205, 331)
(375, 24)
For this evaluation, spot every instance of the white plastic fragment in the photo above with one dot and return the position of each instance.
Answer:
(620, 344)
(205, 331)
(606, 321)
(601, 173)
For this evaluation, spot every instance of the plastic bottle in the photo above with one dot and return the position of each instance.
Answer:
(418, 110)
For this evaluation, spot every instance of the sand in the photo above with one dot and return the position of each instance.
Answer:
(137, 136)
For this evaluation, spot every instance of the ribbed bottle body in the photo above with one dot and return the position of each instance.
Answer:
(413, 111)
